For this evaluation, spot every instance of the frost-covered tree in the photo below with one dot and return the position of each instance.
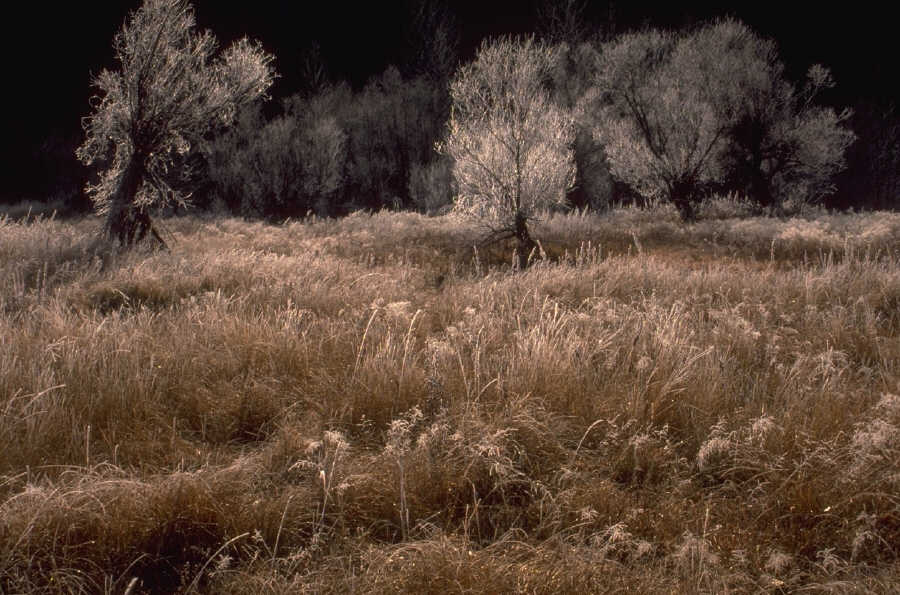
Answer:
(283, 168)
(171, 89)
(391, 125)
(677, 105)
(784, 146)
(510, 143)
(664, 124)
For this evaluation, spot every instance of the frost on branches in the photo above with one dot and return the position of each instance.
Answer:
(511, 145)
(172, 88)
(711, 108)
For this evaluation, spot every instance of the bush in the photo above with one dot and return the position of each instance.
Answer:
(334, 151)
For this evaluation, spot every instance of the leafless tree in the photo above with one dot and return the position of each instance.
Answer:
(676, 105)
(563, 21)
(170, 90)
(510, 143)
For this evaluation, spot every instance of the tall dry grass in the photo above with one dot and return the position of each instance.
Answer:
(380, 404)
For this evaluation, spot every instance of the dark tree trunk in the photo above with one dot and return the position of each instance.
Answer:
(760, 183)
(748, 155)
(760, 189)
(126, 223)
(683, 196)
(524, 244)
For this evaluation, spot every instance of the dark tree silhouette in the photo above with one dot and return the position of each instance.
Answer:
(783, 145)
(283, 168)
(433, 39)
(171, 89)
(872, 178)
(563, 21)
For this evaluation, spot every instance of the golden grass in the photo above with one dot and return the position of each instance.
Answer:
(379, 404)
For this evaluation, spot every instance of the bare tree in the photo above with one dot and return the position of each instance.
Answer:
(661, 128)
(784, 146)
(433, 38)
(511, 144)
(563, 21)
(167, 94)
(677, 105)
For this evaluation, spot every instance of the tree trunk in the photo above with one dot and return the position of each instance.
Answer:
(682, 196)
(126, 223)
(524, 244)
(760, 184)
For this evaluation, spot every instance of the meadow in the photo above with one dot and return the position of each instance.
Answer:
(379, 404)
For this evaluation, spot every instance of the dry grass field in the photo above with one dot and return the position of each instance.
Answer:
(378, 405)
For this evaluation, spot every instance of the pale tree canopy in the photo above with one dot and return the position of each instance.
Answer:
(670, 108)
(784, 146)
(171, 89)
(510, 143)
(674, 105)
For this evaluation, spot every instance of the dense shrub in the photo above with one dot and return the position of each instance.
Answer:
(431, 185)
(336, 150)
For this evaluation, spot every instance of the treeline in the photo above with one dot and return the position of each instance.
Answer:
(658, 115)
(336, 150)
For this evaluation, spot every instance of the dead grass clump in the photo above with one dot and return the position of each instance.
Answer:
(96, 530)
(37, 255)
(471, 471)
(447, 564)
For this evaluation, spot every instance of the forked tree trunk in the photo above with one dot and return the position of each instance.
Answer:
(524, 244)
(126, 223)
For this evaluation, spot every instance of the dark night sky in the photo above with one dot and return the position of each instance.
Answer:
(52, 52)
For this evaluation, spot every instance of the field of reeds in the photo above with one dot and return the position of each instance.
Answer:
(379, 404)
